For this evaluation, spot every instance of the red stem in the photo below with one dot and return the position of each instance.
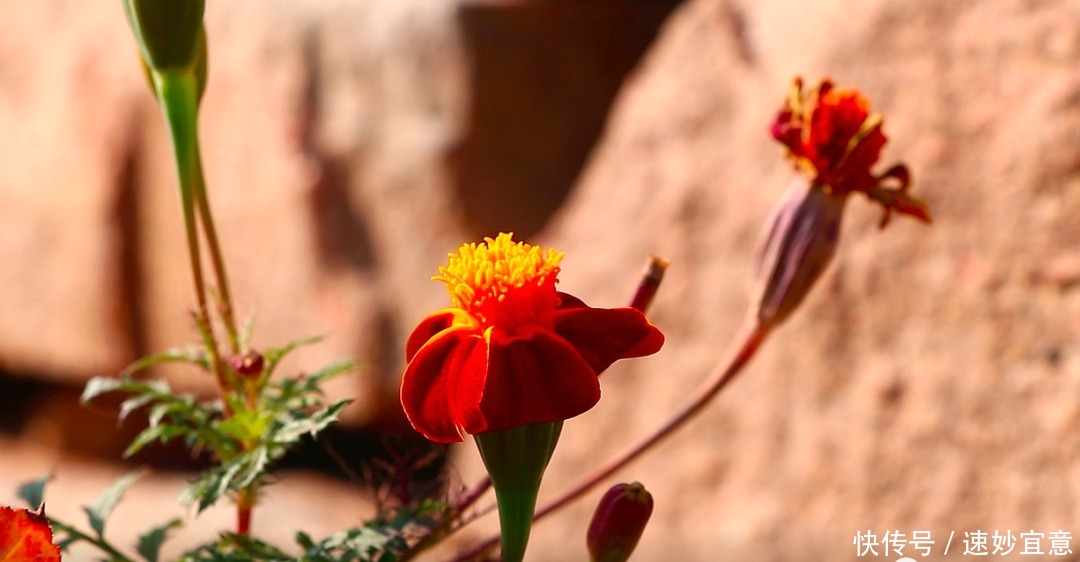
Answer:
(245, 502)
(746, 344)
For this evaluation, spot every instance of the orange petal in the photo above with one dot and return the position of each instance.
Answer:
(26, 536)
(531, 379)
(602, 336)
(429, 387)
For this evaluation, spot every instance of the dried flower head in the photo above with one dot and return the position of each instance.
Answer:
(834, 140)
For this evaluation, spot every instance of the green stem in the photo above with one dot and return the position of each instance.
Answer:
(109, 549)
(202, 203)
(178, 92)
(515, 519)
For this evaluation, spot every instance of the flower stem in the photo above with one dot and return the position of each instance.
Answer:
(516, 508)
(114, 554)
(245, 503)
(178, 93)
(745, 346)
(202, 204)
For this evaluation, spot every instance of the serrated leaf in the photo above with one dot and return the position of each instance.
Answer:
(206, 490)
(25, 535)
(98, 512)
(162, 433)
(192, 354)
(254, 464)
(33, 492)
(293, 430)
(246, 425)
(150, 542)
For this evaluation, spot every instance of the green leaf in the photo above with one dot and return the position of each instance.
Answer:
(274, 355)
(245, 425)
(330, 371)
(304, 540)
(134, 403)
(293, 430)
(103, 505)
(210, 486)
(192, 354)
(150, 542)
(33, 492)
(99, 385)
(162, 433)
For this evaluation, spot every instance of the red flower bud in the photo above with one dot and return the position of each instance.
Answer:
(248, 365)
(618, 522)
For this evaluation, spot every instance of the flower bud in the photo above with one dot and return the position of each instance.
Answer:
(799, 240)
(168, 31)
(618, 522)
(249, 365)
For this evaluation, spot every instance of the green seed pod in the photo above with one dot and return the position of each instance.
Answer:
(168, 31)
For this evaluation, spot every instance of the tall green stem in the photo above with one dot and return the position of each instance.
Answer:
(178, 93)
(202, 203)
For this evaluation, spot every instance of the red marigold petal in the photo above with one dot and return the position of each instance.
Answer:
(531, 379)
(26, 535)
(856, 165)
(430, 393)
(434, 323)
(566, 300)
(602, 336)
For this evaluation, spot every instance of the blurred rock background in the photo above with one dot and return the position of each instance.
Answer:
(930, 382)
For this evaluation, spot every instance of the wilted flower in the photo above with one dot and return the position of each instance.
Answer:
(834, 140)
(618, 523)
(511, 350)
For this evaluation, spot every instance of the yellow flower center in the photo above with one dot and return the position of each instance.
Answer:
(480, 277)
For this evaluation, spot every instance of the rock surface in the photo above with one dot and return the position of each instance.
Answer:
(930, 381)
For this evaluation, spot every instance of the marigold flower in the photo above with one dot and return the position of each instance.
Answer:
(834, 140)
(511, 350)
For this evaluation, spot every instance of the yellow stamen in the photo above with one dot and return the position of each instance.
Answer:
(493, 267)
